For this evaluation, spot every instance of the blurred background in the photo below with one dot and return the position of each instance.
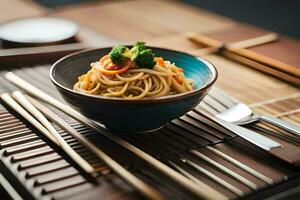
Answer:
(274, 15)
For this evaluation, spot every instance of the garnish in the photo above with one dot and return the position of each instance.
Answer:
(139, 53)
(115, 69)
(118, 54)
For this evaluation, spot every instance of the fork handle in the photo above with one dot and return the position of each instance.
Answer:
(281, 124)
(249, 135)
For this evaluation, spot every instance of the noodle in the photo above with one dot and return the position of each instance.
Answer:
(133, 83)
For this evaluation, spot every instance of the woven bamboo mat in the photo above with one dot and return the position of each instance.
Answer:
(190, 137)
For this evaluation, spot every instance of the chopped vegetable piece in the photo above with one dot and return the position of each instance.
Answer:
(180, 70)
(145, 59)
(115, 69)
(178, 79)
(118, 54)
(160, 61)
(139, 46)
(139, 53)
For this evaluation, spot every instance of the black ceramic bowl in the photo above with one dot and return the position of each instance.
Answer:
(128, 116)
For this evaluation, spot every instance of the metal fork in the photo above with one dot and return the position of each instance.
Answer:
(217, 101)
(229, 109)
(241, 114)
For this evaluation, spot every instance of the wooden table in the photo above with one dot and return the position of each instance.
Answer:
(164, 23)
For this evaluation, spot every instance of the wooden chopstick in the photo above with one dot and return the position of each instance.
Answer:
(54, 138)
(9, 188)
(19, 109)
(142, 187)
(202, 39)
(61, 142)
(215, 45)
(260, 67)
(237, 51)
(201, 192)
(239, 48)
(265, 60)
(252, 42)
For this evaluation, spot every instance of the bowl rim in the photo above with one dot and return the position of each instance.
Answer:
(209, 65)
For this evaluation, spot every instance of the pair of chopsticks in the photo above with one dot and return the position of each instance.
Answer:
(18, 101)
(238, 51)
(200, 189)
(43, 125)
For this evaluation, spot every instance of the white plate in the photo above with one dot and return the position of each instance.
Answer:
(38, 30)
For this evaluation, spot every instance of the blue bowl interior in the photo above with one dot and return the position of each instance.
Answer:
(193, 67)
(67, 70)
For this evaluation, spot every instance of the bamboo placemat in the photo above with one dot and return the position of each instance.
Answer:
(168, 145)
(29, 157)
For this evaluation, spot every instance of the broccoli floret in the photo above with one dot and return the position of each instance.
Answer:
(138, 47)
(144, 58)
(139, 53)
(118, 54)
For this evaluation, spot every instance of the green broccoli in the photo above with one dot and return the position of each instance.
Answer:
(138, 46)
(144, 58)
(118, 54)
(139, 53)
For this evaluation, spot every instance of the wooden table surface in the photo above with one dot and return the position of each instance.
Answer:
(164, 23)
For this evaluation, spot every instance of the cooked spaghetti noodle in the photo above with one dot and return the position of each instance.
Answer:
(132, 82)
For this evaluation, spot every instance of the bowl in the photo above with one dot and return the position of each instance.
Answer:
(132, 116)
